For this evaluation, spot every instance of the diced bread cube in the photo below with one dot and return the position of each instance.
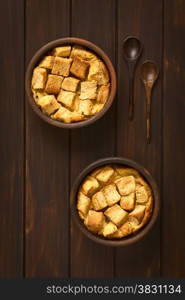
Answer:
(96, 108)
(88, 90)
(90, 185)
(126, 185)
(123, 231)
(70, 84)
(127, 171)
(111, 194)
(105, 174)
(82, 53)
(79, 68)
(67, 98)
(128, 202)
(47, 62)
(75, 116)
(63, 51)
(63, 114)
(98, 72)
(61, 66)
(83, 204)
(94, 221)
(99, 201)
(85, 107)
(39, 78)
(53, 84)
(141, 194)
(103, 93)
(141, 181)
(109, 229)
(137, 213)
(48, 104)
(116, 214)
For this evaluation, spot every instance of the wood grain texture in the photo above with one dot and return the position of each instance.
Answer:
(12, 138)
(96, 141)
(47, 158)
(173, 229)
(143, 258)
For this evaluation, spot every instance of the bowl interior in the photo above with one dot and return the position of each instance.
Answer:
(71, 41)
(126, 240)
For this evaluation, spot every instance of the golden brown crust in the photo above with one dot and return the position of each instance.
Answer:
(53, 84)
(61, 66)
(79, 68)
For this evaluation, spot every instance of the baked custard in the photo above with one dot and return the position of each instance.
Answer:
(70, 84)
(114, 201)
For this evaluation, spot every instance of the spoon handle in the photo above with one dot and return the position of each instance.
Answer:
(148, 90)
(131, 97)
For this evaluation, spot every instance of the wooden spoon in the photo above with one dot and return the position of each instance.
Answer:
(149, 75)
(132, 49)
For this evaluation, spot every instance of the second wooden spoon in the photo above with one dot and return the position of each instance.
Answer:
(149, 75)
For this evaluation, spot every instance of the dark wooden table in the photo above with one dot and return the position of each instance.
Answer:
(39, 163)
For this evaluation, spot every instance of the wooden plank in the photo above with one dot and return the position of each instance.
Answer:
(144, 20)
(47, 157)
(173, 242)
(93, 20)
(12, 138)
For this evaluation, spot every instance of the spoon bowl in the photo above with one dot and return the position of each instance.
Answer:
(149, 72)
(132, 48)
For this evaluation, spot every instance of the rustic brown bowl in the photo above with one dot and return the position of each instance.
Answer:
(89, 45)
(132, 238)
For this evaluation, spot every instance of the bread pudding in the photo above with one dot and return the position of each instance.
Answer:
(114, 201)
(70, 84)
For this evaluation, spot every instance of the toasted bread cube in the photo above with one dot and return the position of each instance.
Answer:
(79, 68)
(94, 221)
(63, 51)
(61, 66)
(98, 72)
(140, 181)
(116, 214)
(85, 107)
(128, 202)
(96, 108)
(82, 53)
(126, 185)
(137, 213)
(47, 62)
(103, 93)
(111, 194)
(127, 171)
(38, 94)
(105, 174)
(123, 231)
(63, 114)
(90, 185)
(109, 229)
(76, 103)
(99, 201)
(70, 84)
(88, 90)
(53, 84)
(83, 204)
(141, 194)
(48, 104)
(67, 98)
(76, 117)
(39, 78)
